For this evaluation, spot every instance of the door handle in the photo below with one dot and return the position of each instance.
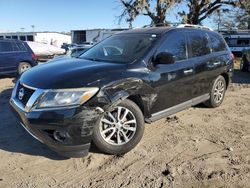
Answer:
(188, 71)
(216, 63)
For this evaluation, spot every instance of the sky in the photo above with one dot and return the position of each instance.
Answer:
(64, 15)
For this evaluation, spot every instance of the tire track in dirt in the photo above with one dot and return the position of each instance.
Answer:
(198, 147)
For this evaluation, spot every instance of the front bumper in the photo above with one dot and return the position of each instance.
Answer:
(67, 131)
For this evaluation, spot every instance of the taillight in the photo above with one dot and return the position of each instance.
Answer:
(34, 56)
(232, 56)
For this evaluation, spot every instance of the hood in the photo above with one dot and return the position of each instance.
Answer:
(69, 73)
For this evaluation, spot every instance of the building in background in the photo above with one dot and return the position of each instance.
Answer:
(92, 35)
(53, 38)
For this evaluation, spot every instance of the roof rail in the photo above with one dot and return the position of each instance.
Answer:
(156, 25)
(178, 25)
(194, 26)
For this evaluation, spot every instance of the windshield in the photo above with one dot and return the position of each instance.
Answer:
(121, 48)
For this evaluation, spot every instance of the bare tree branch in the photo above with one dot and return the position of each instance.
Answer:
(135, 8)
(198, 10)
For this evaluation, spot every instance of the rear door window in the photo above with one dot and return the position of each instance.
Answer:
(6, 47)
(217, 43)
(176, 45)
(198, 44)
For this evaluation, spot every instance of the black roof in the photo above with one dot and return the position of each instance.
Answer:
(160, 30)
(148, 30)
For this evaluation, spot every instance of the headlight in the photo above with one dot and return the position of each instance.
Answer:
(65, 97)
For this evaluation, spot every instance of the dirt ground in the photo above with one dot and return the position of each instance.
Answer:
(199, 147)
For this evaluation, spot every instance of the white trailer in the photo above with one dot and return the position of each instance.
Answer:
(92, 35)
(51, 38)
(238, 41)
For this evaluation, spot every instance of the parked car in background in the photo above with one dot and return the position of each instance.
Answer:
(86, 43)
(106, 95)
(77, 51)
(245, 61)
(71, 53)
(67, 47)
(45, 52)
(16, 57)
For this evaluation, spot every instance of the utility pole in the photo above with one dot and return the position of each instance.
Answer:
(33, 28)
(219, 20)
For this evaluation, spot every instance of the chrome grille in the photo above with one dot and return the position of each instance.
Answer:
(27, 93)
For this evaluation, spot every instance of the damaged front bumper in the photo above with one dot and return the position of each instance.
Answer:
(67, 131)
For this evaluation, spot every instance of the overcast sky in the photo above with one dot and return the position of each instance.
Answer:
(64, 15)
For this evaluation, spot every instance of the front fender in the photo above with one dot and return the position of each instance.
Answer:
(116, 91)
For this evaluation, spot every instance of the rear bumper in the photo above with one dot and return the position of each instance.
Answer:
(66, 131)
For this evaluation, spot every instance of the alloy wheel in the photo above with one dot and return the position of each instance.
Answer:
(219, 91)
(118, 126)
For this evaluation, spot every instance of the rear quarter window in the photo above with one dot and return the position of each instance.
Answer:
(217, 43)
(6, 46)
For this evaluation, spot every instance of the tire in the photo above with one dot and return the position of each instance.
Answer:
(22, 67)
(244, 65)
(217, 93)
(103, 130)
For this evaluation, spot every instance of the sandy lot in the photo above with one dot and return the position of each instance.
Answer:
(198, 147)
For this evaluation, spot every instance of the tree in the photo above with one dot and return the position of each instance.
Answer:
(244, 18)
(223, 19)
(134, 8)
(199, 10)
(233, 19)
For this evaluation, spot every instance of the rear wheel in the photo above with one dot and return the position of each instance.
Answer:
(119, 129)
(22, 67)
(217, 92)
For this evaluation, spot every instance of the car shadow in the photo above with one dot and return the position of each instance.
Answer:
(13, 137)
(241, 77)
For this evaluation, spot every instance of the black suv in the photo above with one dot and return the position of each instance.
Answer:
(107, 94)
(15, 57)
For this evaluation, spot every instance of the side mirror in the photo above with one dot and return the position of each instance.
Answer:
(164, 58)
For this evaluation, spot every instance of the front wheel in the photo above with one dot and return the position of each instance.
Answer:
(120, 129)
(217, 92)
